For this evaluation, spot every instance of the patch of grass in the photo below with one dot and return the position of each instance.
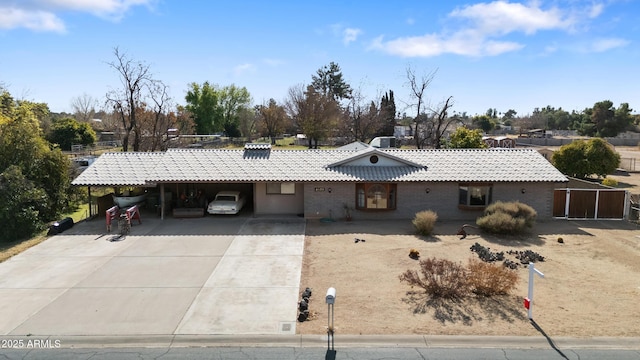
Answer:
(9, 249)
(81, 213)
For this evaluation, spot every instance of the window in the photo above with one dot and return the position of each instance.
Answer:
(376, 196)
(474, 195)
(281, 188)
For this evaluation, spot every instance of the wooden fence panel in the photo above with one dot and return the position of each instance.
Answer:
(611, 205)
(559, 202)
(582, 203)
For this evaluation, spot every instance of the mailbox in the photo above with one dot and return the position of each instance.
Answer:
(331, 296)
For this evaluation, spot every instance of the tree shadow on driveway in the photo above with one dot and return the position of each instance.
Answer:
(466, 311)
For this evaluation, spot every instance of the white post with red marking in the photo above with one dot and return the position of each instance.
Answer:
(528, 301)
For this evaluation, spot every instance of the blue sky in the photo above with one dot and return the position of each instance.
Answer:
(495, 54)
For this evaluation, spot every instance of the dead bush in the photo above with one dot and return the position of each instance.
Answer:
(486, 279)
(507, 218)
(439, 278)
(425, 221)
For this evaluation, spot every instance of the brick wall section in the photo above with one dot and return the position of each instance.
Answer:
(413, 197)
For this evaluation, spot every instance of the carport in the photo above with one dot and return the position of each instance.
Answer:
(182, 177)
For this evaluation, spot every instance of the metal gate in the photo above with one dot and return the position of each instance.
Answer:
(590, 204)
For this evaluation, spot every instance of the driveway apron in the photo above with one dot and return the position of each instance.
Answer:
(213, 275)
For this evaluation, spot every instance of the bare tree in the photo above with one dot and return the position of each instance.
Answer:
(84, 107)
(273, 119)
(442, 121)
(417, 90)
(126, 102)
(158, 92)
(430, 124)
(365, 118)
(314, 113)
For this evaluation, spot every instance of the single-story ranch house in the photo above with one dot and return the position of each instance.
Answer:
(371, 183)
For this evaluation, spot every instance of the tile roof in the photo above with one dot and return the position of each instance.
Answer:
(258, 164)
(120, 169)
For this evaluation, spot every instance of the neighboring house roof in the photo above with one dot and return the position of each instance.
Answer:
(120, 169)
(356, 145)
(257, 164)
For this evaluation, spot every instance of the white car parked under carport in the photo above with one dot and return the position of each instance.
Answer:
(227, 202)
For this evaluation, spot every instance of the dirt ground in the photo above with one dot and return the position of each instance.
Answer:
(591, 285)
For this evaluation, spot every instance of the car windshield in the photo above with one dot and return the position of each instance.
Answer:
(226, 198)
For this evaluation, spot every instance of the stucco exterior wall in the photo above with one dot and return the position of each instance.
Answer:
(328, 200)
(284, 204)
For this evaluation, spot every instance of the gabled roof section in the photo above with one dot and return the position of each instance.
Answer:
(120, 169)
(387, 160)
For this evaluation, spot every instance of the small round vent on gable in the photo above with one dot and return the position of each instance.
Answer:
(373, 159)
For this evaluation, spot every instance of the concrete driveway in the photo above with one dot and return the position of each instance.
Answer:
(212, 275)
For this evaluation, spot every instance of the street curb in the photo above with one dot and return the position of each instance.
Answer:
(340, 341)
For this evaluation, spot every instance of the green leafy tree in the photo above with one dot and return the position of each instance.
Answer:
(388, 114)
(233, 101)
(464, 138)
(203, 103)
(510, 114)
(330, 82)
(582, 159)
(21, 203)
(552, 119)
(603, 159)
(31, 166)
(604, 120)
(484, 122)
(67, 131)
(217, 109)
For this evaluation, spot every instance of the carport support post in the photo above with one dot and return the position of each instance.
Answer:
(162, 201)
(89, 194)
(532, 271)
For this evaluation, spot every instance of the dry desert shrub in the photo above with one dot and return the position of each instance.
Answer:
(425, 221)
(439, 278)
(507, 218)
(442, 278)
(487, 279)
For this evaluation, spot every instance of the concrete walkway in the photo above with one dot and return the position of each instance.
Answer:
(213, 275)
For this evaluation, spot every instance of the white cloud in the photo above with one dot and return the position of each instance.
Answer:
(480, 29)
(243, 69)
(273, 62)
(601, 45)
(502, 17)
(410, 21)
(347, 34)
(43, 15)
(462, 43)
(350, 35)
(596, 10)
(11, 18)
